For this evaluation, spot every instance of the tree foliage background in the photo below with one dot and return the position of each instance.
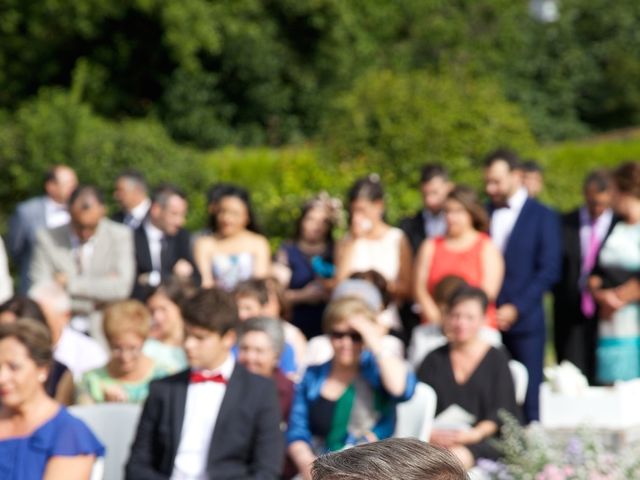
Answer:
(339, 87)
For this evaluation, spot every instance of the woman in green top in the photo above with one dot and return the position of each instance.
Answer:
(126, 377)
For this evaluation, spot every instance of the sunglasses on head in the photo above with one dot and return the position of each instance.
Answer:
(354, 336)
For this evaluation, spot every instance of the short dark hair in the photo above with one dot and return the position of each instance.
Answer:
(86, 192)
(531, 166)
(255, 288)
(433, 170)
(163, 192)
(599, 178)
(35, 336)
(134, 176)
(505, 155)
(23, 307)
(467, 292)
(212, 309)
(390, 459)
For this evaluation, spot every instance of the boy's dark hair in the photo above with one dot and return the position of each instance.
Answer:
(390, 459)
(433, 170)
(212, 309)
(467, 292)
(255, 288)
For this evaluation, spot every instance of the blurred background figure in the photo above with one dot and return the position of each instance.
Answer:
(162, 245)
(6, 282)
(614, 284)
(132, 195)
(532, 177)
(47, 211)
(304, 265)
(584, 231)
(235, 251)
(91, 257)
(126, 377)
(166, 335)
(430, 221)
(469, 374)
(466, 250)
(371, 244)
(38, 437)
(352, 398)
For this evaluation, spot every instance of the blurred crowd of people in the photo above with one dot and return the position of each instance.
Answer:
(251, 364)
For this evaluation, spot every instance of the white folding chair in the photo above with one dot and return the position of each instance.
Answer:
(520, 380)
(115, 425)
(415, 416)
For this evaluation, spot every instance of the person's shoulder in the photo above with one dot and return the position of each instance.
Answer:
(540, 208)
(115, 228)
(498, 354)
(30, 205)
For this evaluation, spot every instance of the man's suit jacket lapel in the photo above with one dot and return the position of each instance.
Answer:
(232, 398)
(518, 229)
(178, 404)
(143, 254)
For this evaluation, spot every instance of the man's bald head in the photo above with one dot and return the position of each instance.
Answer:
(60, 181)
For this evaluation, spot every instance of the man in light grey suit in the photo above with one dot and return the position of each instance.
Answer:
(47, 211)
(91, 257)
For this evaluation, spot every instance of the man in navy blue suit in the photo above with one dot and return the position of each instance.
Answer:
(529, 236)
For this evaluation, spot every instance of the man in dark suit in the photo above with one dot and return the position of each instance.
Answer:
(528, 234)
(215, 420)
(584, 231)
(430, 221)
(47, 211)
(163, 247)
(131, 193)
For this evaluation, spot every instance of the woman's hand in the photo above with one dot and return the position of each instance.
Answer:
(609, 302)
(371, 333)
(452, 438)
(115, 393)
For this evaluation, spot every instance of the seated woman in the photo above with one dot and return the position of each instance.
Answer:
(352, 398)
(471, 379)
(19, 306)
(235, 251)
(38, 437)
(164, 344)
(127, 375)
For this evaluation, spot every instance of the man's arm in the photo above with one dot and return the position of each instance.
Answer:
(268, 456)
(41, 269)
(141, 464)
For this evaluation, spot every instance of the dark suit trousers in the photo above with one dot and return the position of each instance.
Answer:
(575, 340)
(528, 349)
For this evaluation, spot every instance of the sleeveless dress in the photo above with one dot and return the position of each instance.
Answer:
(466, 264)
(305, 269)
(229, 270)
(382, 255)
(25, 458)
(618, 351)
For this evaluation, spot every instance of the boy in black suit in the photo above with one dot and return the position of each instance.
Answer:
(215, 420)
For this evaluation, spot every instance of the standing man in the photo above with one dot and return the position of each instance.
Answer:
(429, 222)
(214, 420)
(528, 234)
(91, 257)
(162, 246)
(47, 211)
(584, 231)
(131, 193)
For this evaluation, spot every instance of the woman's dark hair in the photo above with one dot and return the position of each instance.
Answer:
(368, 188)
(23, 307)
(627, 178)
(176, 289)
(35, 336)
(468, 198)
(467, 292)
(306, 208)
(242, 195)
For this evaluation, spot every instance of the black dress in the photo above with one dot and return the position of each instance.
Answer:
(487, 390)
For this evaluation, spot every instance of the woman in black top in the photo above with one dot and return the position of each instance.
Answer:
(472, 375)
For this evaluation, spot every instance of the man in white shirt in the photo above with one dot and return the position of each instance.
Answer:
(131, 193)
(77, 351)
(214, 420)
(48, 211)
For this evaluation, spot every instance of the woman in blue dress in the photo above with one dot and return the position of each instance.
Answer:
(305, 265)
(39, 439)
(614, 283)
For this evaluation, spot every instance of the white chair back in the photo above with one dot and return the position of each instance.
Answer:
(115, 425)
(520, 380)
(415, 416)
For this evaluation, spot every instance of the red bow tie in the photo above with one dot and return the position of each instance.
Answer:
(199, 377)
